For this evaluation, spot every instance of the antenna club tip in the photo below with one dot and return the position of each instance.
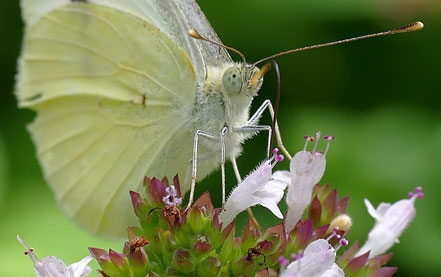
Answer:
(194, 34)
(412, 27)
(416, 26)
(419, 25)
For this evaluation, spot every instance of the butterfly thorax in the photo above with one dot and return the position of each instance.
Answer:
(224, 100)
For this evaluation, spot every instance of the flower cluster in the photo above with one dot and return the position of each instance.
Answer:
(203, 241)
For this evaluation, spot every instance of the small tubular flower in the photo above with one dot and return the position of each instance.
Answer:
(306, 170)
(390, 222)
(54, 267)
(318, 260)
(256, 189)
(171, 198)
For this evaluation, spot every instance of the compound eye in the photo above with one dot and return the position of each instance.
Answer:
(232, 80)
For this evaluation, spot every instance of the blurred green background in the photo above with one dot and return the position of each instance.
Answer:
(379, 97)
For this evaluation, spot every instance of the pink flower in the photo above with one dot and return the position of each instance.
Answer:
(390, 222)
(256, 189)
(318, 260)
(306, 170)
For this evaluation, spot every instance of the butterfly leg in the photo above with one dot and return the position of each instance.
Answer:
(255, 118)
(222, 141)
(255, 129)
(195, 162)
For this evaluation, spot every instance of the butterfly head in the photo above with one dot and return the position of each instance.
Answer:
(239, 79)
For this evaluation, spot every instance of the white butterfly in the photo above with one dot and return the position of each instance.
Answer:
(121, 92)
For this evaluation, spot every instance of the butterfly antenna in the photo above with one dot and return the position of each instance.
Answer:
(416, 26)
(194, 34)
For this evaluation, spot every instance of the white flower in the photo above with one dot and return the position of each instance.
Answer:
(390, 222)
(256, 189)
(171, 197)
(334, 271)
(306, 170)
(54, 267)
(318, 261)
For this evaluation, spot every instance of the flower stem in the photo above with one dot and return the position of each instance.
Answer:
(253, 218)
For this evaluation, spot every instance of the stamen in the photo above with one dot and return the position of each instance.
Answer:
(316, 142)
(329, 139)
(276, 158)
(334, 233)
(30, 251)
(308, 139)
(342, 242)
(271, 159)
(418, 194)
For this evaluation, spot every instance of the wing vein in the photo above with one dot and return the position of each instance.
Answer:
(80, 153)
(153, 157)
(100, 182)
(63, 139)
(98, 53)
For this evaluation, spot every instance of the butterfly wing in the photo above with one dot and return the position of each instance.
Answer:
(33, 10)
(176, 18)
(173, 17)
(112, 93)
(212, 54)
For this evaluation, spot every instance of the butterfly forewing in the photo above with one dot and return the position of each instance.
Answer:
(172, 17)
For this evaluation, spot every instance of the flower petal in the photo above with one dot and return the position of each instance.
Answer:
(309, 164)
(317, 259)
(334, 271)
(382, 208)
(272, 206)
(254, 189)
(50, 267)
(371, 210)
(307, 168)
(80, 268)
(282, 176)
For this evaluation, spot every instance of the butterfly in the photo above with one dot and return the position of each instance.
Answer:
(122, 91)
(127, 89)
